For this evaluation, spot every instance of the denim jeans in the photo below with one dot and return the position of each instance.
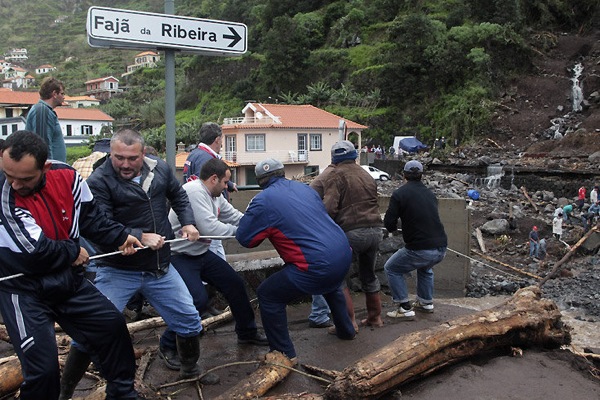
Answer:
(215, 271)
(319, 310)
(166, 293)
(533, 249)
(404, 261)
(285, 286)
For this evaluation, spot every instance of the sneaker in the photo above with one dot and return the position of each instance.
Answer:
(325, 324)
(401, 313)
(427, 308)
(258, 339)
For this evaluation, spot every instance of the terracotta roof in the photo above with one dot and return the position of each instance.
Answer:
(45, 66)
(102, 79)
(12, 97)
(151, 53)
(296, 116)
(85, 114)
(80, 98)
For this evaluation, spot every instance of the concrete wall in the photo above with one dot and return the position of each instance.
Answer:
(451, 275)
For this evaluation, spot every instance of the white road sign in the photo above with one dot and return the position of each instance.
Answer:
(111, 27)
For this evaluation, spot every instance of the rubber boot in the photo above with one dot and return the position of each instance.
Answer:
(373, 301)
(75, 367)
(189, 352)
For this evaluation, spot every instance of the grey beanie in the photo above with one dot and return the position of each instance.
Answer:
(267, 167)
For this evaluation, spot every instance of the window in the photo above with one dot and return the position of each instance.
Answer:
(315, 142)
(14, 127)
(9, 113)
(255, 142)
(69, 130)
(86, 130)
(230, 148)
(4, 130)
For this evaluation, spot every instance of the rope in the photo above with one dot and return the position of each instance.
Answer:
(481, 262)
(114, 253)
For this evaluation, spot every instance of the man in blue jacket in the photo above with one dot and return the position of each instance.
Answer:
(314, 248)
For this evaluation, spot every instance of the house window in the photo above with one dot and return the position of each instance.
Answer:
(86, 130)
(69, 130)
(4, 130)
(9, 113)
(255, 142)
(315, 142)
(230, 148)
(15, 128)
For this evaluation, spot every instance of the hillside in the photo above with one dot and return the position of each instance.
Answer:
(431, 68)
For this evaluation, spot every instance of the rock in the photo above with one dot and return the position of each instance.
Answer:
(495, 227)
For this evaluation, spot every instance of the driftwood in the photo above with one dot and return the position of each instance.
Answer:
(529, 198)
(274, 370)
(12, 369)
(479, 236)
(524, 320)
(566, 257)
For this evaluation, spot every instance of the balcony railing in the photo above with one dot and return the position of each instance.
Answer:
(252, 158)
(265, 119)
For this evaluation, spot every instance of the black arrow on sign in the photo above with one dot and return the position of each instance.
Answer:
(235, 37)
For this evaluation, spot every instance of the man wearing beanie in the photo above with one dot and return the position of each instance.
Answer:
(313, 247)
(425, 242)
(350, 197)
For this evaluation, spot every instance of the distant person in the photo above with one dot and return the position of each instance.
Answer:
(542, 251)
(391, 151)
(43, 121)
(581, 198)
(534, 240)
(594, 195)
(567, 212)
(425, 242)
(557, 228)
(314, 249)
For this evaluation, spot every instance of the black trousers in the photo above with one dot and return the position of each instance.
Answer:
(85, 315)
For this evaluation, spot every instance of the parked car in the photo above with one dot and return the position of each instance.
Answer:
(376, 173)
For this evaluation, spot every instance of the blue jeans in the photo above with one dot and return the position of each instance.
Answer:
(166, 293)
(404, 261)
(215, 271)
(288, 285)
(533, 249)
(319, 310)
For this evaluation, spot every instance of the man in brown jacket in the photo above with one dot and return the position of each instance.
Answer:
(350, 197)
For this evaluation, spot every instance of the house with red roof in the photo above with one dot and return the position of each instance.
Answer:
(44, 69)
(102, 88)
(300, 136)
(76, 123)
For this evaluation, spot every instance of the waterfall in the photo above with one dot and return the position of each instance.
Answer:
(492, 180)
(577, 91)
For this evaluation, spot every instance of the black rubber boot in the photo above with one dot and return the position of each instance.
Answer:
(170, 357)
(75, 367)
(189, 352)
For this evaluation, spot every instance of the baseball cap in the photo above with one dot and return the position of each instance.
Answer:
(413, 166)
(535, 228)
(209, 131)
(267, 167)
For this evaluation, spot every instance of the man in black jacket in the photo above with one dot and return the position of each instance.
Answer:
(425, 242)
(133, 188)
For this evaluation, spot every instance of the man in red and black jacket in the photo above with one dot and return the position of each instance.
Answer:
(44, 207)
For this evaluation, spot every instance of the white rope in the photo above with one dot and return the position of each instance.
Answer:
(114, 253)
(482, 263)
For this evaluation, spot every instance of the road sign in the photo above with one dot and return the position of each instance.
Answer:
(114, 28)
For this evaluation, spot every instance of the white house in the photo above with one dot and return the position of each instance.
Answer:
(81, 101)
(103, 88)
(44, 69)
(78, 124)
(16, 55)
(146, 59)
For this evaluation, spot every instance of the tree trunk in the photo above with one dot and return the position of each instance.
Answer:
(261, 380)
(524, 320)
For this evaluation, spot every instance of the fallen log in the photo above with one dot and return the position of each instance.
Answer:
(525, 320)
(11, 377)
(529, 198)
(274, 370)
(479, 237)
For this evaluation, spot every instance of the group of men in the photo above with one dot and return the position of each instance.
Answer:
(166, 254)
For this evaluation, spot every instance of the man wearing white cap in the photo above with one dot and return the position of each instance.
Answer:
(425, 242)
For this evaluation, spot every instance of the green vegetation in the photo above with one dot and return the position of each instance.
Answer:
(425, 67)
